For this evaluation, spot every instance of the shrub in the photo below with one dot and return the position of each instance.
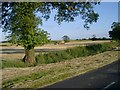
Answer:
(93, 49)
(83, 52)
(48, 59)
(74, 52)
(65, 55)
(40, 59)
(77, 52)
(108, 46)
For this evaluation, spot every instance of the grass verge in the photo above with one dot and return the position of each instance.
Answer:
(80, 51)
(61, 71)
(58, 56)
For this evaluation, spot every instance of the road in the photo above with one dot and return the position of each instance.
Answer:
(103, 78)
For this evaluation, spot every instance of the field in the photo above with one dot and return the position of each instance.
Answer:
(47, 74)
(10, 52)
(39, 76)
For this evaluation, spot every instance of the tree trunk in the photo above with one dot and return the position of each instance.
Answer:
(29, 56)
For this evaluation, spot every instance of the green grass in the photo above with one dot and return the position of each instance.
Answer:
(60, 71)
(51, 75)
(75, 52)
(58, 56)
(33, 76)
(13, 63)
(43, 77)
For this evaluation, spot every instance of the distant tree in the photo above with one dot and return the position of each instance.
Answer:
(84, 39)
(94, 37)
(104, 38)
(115, 33)
(66, 38)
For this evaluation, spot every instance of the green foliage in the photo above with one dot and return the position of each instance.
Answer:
(40, 59)
(23, 26)
(115, 33)
(58, 56)
(38, 75)
(66, 38)
(94, 37)
(75, 52)
(64, 55)
(93, 49)
(21, 21)
(66, 11)
(13, 63)
(108, 46)
(52, 57)
(33, 76)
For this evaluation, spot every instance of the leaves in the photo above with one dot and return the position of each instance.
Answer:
(66, 38)
(23, 25)
(115, 33)
(21, 21)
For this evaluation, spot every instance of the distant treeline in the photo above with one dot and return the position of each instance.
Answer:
(53, 41)
(5, 41)
(104, 38)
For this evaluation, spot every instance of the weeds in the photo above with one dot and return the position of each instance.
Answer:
(13, 63)
(75, 52)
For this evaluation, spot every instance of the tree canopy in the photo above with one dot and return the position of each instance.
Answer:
(22, 25)
(21, 22)
(115, 33)
(66, 38)
(66, 11)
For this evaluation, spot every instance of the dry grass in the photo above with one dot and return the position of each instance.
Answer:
(68, 69)
(15, 56)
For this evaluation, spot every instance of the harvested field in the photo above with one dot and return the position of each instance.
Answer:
(76, 66)
(9, 52)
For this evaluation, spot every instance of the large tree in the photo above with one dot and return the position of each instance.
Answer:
(21, 22)
(22, 25)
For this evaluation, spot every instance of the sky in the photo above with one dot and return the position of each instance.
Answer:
(108, 13)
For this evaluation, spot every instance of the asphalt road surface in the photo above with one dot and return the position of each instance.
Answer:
(105, 78)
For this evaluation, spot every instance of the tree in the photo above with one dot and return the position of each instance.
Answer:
(94, 37)
(21, 22)
(115, 33)
(23, 27)
(66, 38)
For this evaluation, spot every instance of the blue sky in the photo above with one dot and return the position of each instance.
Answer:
(108, 13)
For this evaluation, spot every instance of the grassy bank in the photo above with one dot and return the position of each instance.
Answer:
(58, 56)
(40, 76)
(80, 51)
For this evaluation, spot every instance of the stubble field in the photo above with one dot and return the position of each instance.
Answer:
(47, 74)
(12, 52)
